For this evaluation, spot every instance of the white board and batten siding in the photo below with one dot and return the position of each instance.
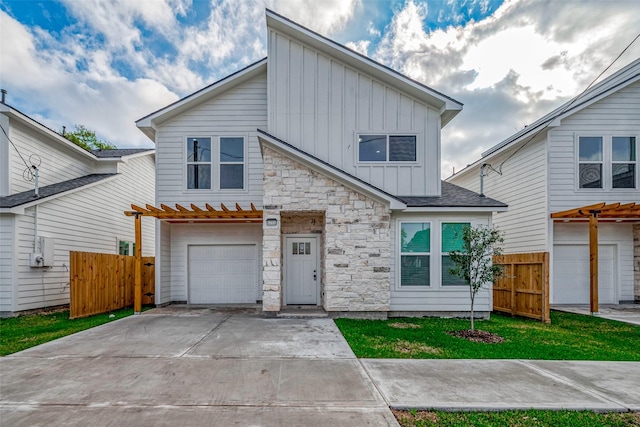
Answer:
(239, 111)
(618, 114)
(58, 162)
(616, 243)
(523, 187)
(90, 220)
(320, 105)
(213, 240)
(7, 262)
(435, 298)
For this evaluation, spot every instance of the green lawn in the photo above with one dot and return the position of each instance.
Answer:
(530, 418)
(19, 333)
(568, 337)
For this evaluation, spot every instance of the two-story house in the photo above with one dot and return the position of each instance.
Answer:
(74, 204)
(578, 160)
(337, 158)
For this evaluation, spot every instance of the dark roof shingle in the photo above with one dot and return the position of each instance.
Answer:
(452, 196)
(118, 152)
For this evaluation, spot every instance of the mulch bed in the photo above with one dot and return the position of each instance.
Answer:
(477, 336)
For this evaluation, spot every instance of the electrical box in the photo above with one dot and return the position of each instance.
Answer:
(45, 257)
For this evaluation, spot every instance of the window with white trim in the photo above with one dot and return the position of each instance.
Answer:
(232, 163)
(415, 254)
(607, 162)
(126, 248)
(623, 162)
(199, 163)
(451, 238)
(590, 155)
(386, 148)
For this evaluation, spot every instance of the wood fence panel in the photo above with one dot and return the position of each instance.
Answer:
(523, 290)
(105, 282)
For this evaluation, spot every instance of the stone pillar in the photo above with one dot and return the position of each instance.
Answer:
(636, 262)
(271, 265)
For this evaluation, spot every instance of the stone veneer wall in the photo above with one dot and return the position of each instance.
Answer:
(356, 255)
(636, 262)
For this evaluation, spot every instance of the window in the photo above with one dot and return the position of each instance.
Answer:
(126, 248)
(383, 148)
(199, 163)
(451, 241)
(231, 163)
(415, 253)
(590, 157)
(607, 162)
(623, 161)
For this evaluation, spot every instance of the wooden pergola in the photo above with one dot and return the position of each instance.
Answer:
(182, 214)
(618, 212)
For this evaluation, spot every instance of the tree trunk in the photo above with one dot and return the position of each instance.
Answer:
(472, 325)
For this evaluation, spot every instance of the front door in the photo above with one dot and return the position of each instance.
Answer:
(301, 274)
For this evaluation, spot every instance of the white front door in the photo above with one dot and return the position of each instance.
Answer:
(301, 274)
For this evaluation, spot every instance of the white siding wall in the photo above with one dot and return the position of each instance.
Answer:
(320, 105)
(620, 235)
(7, 260)
(59, 163)
(523, 187)
(617, 114)
(89, 220)
(4, 156)
(183, 235)
(436, 297)
(237, 112)
(163, 263)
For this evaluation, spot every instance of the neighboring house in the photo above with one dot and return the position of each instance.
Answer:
(583, 153)
(79, 207)
(341, 155)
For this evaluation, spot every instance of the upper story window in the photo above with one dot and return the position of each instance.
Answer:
(415, 254)
(224, 170)
(199, 163)
(607, 162)
(386, 148)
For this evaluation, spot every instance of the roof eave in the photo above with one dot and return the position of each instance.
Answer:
(456, 209)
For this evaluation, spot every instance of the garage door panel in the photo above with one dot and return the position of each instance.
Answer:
(571, 284)
(220, 274)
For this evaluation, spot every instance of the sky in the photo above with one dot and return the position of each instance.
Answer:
(105, 64)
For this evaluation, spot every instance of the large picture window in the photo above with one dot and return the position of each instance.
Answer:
(387, 148)
(198, 163)
(451, 241)
(415, 254)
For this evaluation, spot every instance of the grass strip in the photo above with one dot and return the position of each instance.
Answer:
(568, 337)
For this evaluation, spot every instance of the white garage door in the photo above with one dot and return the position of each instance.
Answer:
(571, 274)
(221, 274)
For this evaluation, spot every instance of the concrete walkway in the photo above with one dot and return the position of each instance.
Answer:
(627, 313)
(187, 367)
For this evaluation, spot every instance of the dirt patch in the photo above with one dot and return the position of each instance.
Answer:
(403, 325)
(477, 336)
(409, 418)
(407, 347)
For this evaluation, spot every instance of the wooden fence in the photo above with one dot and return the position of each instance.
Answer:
(104, 282)
(523, 290)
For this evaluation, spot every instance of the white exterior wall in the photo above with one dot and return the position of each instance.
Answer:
(523, 187)
(435, 298)
(4, 156)
(90, 220)
(617, 114)
(7, 261)
(238, 112)
(183, 235)
(59, 163)
(619, 235)
(320, 105)
(163, 263)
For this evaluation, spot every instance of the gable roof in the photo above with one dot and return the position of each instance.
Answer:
(624, 77)
(329, 170)
(50, 191)
(147, 124)
(448, 106)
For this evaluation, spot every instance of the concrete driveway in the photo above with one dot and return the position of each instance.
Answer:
(192, 368)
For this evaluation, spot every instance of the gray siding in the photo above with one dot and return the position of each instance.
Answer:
(183, 235)
(237, 112)
(619, 235)
(7, 254)
(320, 105)
(163, 263)
(434, 298)
(523, 187)
(617, 114)
(89, 220)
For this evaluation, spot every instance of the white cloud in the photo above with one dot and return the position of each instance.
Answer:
(361, 46)
(326, 17)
